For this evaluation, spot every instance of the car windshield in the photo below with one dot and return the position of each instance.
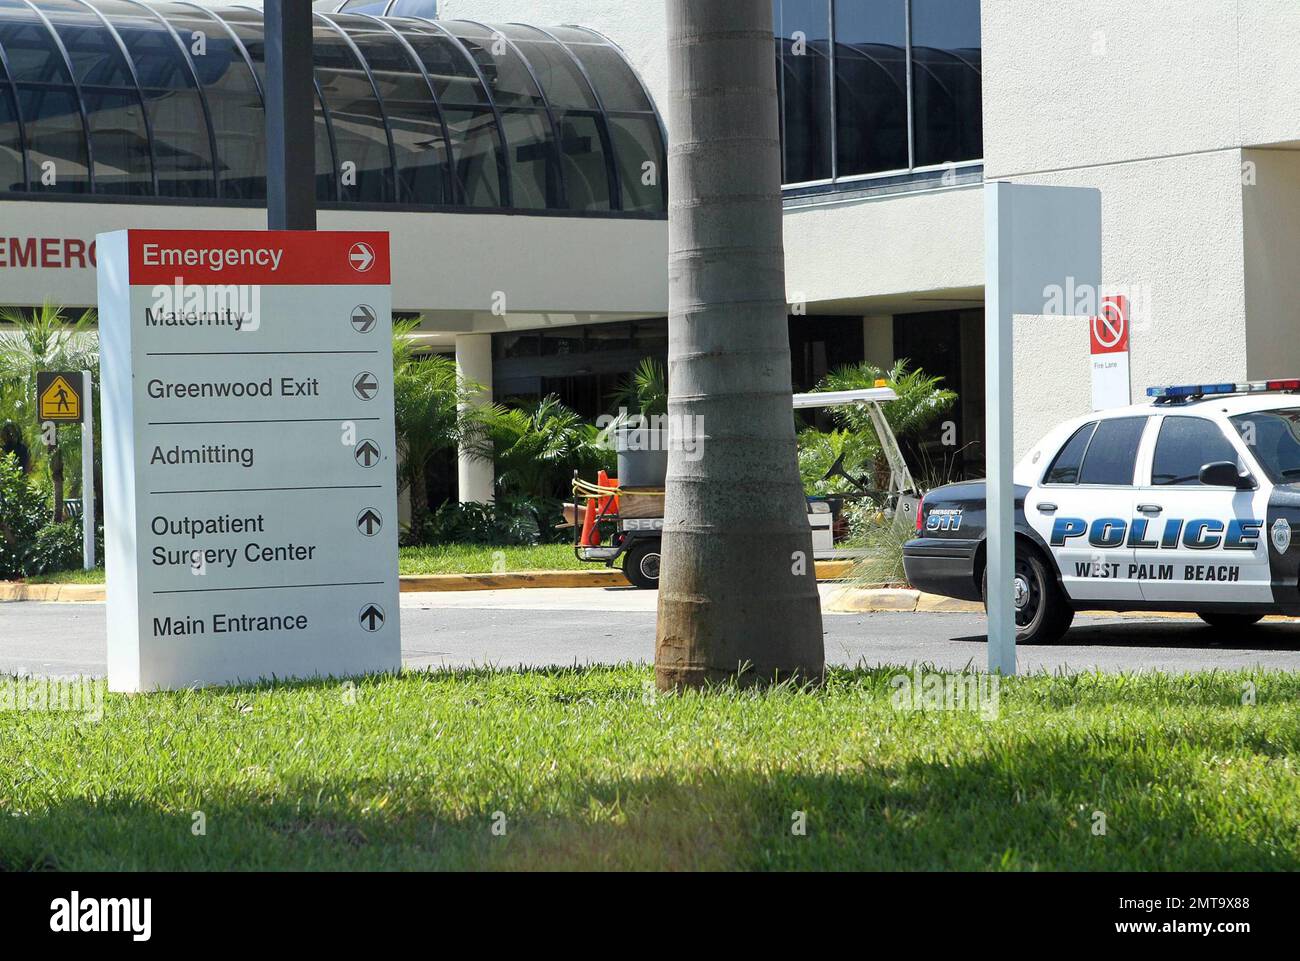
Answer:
(1273, 436)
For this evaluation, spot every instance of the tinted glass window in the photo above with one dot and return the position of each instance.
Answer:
(453, 76)
(532, 170)
(412, 115)
(1185, 445)
(557, 72)
(476, 149)
(870, 86)
(1273, 436)
(639, 153)
(582, 149)
(507, 74)
(946, 81)
(804, 30)
(364, 164)
(182, 147)
(11, 147)
(1065, 468)
(618, 87)
(1113, 451)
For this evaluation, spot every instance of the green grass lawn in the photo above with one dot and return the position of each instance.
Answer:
(442, 559)
(589, 770)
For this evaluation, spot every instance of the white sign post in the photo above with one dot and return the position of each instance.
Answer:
(249, 459)
(1108, 342)
(1035, 239)
(88, 473)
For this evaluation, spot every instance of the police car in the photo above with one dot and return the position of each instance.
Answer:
(1184, 504)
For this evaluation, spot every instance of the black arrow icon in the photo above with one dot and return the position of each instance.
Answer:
(367, 453)
(364, 385)
(372, 617)
(369, 522)
(363, 318)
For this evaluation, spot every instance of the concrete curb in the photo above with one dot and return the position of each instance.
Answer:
(410, 583)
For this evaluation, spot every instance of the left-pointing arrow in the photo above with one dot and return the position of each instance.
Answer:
(364, 385)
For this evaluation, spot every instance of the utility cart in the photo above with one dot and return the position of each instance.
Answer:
(624, 522)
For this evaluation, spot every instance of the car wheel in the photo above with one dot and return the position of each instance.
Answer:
(1043, 614)
(641, 565)
(1230, 621)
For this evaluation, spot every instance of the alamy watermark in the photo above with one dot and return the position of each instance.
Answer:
(234, 306)
(939, 691)
(647, 432)
(77, 695)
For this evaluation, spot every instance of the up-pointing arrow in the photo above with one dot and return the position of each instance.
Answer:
(369, 522)
(372, 618)
(366, 453)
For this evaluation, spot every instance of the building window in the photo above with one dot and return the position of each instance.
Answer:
(871, 87)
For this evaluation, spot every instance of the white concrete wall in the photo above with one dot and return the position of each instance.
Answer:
(441, 262)
(1151, 103)
(932, 240)
(640, 27)
(1271, 202)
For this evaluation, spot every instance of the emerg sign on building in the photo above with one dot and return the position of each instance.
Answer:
(250, 484)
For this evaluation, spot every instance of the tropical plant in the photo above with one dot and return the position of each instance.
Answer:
(818, 452)
(921, 401)
(22, 515)
(737, 595)
(42, 339)
(432, 413)
(645, 390)
(539, 445)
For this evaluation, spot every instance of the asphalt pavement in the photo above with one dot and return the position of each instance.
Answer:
(535, 628)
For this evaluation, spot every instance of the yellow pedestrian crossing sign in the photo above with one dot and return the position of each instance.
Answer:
(59, 396)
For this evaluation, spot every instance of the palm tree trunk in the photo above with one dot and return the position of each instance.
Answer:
(738, 592)
(419, 496)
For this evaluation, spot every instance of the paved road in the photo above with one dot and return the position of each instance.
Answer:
(594, 625)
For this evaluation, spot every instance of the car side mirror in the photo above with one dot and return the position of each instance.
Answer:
(1223, 473)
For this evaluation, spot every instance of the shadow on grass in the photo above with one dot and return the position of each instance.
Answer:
(1028, 809)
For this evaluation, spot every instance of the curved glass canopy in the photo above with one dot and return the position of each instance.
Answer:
(118, 97)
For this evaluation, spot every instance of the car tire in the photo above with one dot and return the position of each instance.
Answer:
(1229, 621)
(641, 565)
(1045, 614)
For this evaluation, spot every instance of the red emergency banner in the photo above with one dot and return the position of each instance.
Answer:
(301, 257)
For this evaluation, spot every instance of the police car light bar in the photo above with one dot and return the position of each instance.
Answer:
(1203, 390)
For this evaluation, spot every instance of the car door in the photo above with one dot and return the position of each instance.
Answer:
(1082, 508)
(1202, 544)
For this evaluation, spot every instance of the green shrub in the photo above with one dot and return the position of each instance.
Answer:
(57, 547)
(22, 514)
(506, 524)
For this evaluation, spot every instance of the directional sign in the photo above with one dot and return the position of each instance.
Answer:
(363, 318)
(58, 396)
(1108, 336)
(247, 477)
(364, 385)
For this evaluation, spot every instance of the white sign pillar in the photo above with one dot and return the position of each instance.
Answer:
(249, 456)
(1037, 241)
(87, 472)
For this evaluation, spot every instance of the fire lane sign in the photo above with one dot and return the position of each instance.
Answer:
(1108, 336)
(249, 456)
